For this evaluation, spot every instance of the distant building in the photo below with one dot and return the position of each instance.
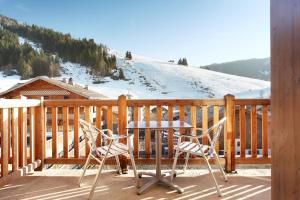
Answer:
(49, 88)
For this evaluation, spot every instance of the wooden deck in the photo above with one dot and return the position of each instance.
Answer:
(62, 184)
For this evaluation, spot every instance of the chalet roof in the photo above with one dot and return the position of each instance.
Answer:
(77, 89)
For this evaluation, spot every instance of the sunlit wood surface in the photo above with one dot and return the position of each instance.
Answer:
(62, 184)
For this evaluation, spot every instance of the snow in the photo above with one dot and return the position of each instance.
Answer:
(32, 44)
(7, 82)
(152, 78)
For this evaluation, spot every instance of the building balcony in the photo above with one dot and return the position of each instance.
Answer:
(28, 158)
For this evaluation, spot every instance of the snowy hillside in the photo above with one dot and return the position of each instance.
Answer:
(150, 78)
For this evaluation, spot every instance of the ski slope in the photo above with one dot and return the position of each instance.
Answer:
(152, 78)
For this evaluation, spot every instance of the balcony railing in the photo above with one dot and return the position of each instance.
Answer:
(244, 140)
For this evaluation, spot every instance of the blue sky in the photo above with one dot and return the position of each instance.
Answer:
(203, 31)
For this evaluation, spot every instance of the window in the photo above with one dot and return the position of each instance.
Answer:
(66, 97)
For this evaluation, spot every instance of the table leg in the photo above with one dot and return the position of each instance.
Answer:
(147, 186)
(172, 185)
(158, 177)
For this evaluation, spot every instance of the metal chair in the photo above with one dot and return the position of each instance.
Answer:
(194, 147)
(112, 148)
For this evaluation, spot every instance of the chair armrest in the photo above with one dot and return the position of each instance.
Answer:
(116, 136)
(194, 136)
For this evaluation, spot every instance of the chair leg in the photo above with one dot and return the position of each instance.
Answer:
(211, 172)
(220, 166)
(186, 161)
(133, 164)
(134, 169)
(174, 164)
(96, 180)
(84, 169)
(118, 163)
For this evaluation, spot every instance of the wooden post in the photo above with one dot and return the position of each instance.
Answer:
(39, 130)
(285, 92)
(14, 139)
(122, 123)
(22, 124)
(65, 111)
(4, 142)
(230, 135)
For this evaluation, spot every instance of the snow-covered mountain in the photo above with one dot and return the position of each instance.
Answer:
(151, 78)
(258, 68)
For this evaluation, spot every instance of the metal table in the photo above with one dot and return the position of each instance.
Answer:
(158, 127)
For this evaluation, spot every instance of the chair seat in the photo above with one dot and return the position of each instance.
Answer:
(115, 150)
(193, 148)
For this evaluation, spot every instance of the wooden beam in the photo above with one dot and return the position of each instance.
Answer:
(14, 139)
(18, 103)
(31, 135)
(65, 132)
(87, 117)
(54, 131)
(242, 131)
(98, 123)
(22, 124)
(230, 135)
(81, 102)
(253, 132)
(76, 131)
(147, 133)
(122, 123)
(204, 122)
(170, 133)
(139, 161)
(174, 102)
(136, 133)
(181, 117)
(265, 131)
(4, 142)
(39, 130)
(193, 121)
(216, 120)
(285, 106)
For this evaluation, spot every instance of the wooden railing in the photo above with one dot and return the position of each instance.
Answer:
(246, 128)
(72, 149)
(252, 122)
(20, 132)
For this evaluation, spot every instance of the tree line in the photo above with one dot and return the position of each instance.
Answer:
(183, 61)
(23, 58)
(83, 51)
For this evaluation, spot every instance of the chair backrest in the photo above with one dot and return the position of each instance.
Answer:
(216, 130)
(90, 133)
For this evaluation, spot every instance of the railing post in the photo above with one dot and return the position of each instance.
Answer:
(39, 130)
(230, 135)
(122, 123)
(4, 133)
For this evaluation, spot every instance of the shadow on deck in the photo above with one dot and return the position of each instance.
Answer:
(197, 184)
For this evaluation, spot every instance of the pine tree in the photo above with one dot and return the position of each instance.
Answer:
(128, 55)
(121, 74)
(184, 62)
(25, 69)
(180, 62)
